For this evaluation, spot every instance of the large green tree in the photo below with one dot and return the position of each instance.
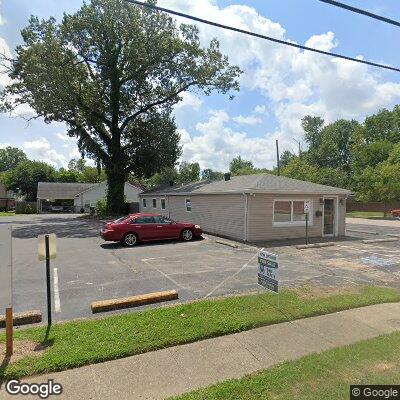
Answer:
(10, 157)
(112, 72)
(189, 172)
(24, 178)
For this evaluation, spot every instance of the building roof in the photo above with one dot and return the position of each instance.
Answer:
(61, 190)
(262, 183)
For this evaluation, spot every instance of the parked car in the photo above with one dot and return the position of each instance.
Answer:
(133, 228)
(395, 213)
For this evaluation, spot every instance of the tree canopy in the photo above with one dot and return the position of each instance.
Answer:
(112, 72)
(10, 157)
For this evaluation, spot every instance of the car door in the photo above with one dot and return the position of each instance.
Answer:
(166, 229)
(145, 227)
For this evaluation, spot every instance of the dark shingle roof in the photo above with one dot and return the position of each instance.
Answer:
(61, 190)
(265, 183)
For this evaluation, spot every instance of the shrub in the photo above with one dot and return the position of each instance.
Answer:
(28, 209)
(101, 207)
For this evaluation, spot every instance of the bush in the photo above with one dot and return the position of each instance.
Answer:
(28, 209)
(101, 207)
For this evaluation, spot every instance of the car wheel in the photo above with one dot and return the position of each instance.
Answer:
(187, 235)
(130, 239)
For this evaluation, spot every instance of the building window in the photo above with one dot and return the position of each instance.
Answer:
(154, 203)
(290, 212)
(163, 204)
(144, 202)
(188, 205)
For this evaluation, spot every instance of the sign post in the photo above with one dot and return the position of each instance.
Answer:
(307, 208)
(47, 251)
(268, 271)
(6, 283)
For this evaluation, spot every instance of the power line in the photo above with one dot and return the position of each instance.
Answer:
(231, 28)
(360, 11)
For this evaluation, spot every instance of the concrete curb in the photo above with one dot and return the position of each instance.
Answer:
(380, 240)
(361, 231)
(314, 245)
(234, 245)
(23, 318)
(133, 301)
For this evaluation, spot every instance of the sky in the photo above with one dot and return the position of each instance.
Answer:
(279, 86)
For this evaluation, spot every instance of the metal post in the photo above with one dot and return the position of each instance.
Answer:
(9, 332)
(306, 228)
(48, 279)
(277, 157)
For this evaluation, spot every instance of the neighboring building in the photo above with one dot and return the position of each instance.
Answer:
(73, 197)
(253, 207)
(7, 198)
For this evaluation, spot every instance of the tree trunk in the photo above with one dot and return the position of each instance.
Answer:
(116, 178)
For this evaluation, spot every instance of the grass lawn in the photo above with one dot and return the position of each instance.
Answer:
(327, 375)
(6, 214)
(76, 343)
(366, 214)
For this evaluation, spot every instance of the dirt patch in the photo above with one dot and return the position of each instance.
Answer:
(311, 292)
(384, 366)
(23, 348)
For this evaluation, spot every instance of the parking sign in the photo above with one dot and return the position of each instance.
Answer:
(268, 270)
(307, 206)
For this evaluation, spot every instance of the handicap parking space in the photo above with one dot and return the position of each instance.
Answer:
(89, 269)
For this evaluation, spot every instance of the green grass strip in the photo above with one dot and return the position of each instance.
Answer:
(76, 343)
(327, 375)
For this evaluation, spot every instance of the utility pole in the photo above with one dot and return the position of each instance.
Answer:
(299, 143)
(277, 157)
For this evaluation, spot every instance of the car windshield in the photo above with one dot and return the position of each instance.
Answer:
(119, 220)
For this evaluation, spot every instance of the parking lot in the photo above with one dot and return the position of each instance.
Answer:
(88, 269)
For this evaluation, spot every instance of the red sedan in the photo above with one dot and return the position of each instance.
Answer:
(133, 228)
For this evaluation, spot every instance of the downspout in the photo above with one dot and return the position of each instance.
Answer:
(246, 211)
(169, 208)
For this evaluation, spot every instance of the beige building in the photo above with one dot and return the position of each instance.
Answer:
(253, 207)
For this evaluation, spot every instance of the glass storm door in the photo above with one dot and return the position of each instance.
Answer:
(329, 217)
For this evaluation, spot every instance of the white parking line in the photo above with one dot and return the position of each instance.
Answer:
(57, 304)
(231, 276)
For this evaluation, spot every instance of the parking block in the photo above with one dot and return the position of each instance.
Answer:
(133, 301)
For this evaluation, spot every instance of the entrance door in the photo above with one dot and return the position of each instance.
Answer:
(329, 217)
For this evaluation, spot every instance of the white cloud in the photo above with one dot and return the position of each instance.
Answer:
(40, 149)
(216, 144)
(249, 120)
(2, 20)
(63, 136)
(4, 145)
(6, 51)
(260, 109)
(189, 100)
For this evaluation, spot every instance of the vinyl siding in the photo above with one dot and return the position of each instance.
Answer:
(260, 218)
(217, 214)
(224, 215)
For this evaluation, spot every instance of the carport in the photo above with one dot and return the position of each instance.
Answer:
(58, 196)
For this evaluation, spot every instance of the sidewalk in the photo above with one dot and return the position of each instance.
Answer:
(172, 371)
